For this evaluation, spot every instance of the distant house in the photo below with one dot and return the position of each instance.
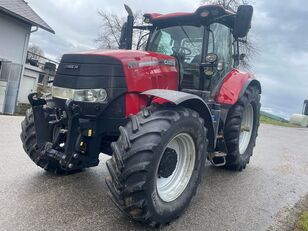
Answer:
(17, 22)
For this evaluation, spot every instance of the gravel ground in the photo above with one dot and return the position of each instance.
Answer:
(287, 219)
(255, 199)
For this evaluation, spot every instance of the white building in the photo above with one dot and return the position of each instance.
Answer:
(17, 22)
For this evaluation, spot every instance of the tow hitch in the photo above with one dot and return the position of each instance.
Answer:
(65, 145)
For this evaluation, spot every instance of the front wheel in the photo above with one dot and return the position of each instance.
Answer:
(28, 138)
(157, 164)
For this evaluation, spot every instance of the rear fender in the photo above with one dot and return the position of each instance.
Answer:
(189, 101)
(234, 86)
(251, 82)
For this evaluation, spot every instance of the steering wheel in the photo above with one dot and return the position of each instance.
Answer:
(182, 50)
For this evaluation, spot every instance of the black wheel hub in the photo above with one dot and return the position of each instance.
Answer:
(167, 163)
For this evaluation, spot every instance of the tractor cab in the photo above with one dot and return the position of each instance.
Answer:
(204, 43)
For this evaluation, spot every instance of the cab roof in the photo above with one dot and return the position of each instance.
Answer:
(202, 15)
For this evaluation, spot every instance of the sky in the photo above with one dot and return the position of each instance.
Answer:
(279, 31)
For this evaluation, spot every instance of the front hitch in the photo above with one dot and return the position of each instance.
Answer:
(41, 124)
(35, 100)
(73, 154)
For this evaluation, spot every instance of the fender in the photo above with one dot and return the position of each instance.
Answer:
(190, 101)
(251, 82)
(234, 86)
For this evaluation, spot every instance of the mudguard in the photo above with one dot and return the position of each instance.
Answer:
(251, 82)
(234, 86)
(190, 101)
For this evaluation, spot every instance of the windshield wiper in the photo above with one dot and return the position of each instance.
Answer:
(187, 35)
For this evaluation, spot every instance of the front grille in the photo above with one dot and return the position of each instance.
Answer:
(80, 71)
(89, 71)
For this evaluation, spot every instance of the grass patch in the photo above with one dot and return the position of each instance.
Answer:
(302, 223)
(267, 120)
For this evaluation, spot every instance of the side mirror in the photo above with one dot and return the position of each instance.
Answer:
(242, 22)
(126, 39)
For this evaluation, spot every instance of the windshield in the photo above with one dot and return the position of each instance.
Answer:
(186, 41)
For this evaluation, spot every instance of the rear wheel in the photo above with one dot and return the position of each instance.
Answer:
(157, 164)
(241, 129)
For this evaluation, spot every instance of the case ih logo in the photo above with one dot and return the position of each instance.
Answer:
(134, 64)
(72, 66)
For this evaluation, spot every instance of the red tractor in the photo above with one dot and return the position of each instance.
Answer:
(160, 112)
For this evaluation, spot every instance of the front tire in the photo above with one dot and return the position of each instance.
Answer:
(28, 138)
(157, 164)
(241, 129)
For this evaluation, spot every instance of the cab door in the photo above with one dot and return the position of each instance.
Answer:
(220, 43)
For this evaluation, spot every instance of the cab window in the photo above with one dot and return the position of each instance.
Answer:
(222, 47)
(185, 43)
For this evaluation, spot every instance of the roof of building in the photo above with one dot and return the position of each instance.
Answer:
(21, 10)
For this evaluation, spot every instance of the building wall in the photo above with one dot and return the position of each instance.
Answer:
(14, 38)
(14, 41)
(28, 83)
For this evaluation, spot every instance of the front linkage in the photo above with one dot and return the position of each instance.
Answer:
(61, 135)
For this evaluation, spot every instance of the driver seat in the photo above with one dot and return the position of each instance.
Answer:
(190, 81)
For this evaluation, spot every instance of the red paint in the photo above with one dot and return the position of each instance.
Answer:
(147, 77)
(134, 102)
(150, 75)
(157, 17)
(231, 88)
(219, 11)
(140, 79)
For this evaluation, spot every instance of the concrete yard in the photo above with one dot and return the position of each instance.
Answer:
(276, 178)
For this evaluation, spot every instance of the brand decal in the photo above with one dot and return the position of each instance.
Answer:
(166, 62)
(72, 66)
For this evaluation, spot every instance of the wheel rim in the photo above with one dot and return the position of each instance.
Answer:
(172, 186)
(246, 129)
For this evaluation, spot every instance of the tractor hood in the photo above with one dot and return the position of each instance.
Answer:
(142, 70)
(129, 56)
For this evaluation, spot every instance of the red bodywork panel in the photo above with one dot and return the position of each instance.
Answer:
(134, 102)
(143, 71)
(232, 86)
(150, 70)
(214, 10)
(157, 16)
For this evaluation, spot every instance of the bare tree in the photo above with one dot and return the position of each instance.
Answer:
(248, 45)
(35, 52)
(109, 37)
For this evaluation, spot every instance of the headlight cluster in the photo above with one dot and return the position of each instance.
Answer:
(81, 95)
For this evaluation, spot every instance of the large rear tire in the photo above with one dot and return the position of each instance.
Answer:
(157, 164)
(28, 138)
(241, 129)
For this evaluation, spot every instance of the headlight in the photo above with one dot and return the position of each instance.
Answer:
(82, 95)
(211, 58)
